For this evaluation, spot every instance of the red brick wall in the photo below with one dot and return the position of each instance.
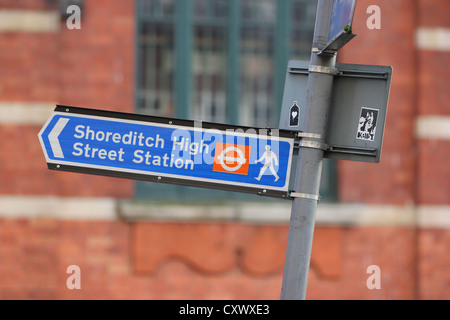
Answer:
(94, 67)
(392, 180)
(97, 62)
(433, 13)
(210, 261)
(433, 97)
(433, 172)
(30, 5)
(433, 275)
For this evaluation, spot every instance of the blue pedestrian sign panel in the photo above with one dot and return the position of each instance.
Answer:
(167, 150)
(342, 15)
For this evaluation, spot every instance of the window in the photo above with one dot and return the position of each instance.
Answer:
(155, 66)
(220, 61)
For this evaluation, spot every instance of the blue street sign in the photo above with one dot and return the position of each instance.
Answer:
(168, 150)
(342, 15)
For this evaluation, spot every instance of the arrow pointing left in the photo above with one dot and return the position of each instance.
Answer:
(53, 137)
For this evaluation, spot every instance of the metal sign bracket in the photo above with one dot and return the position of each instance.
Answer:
(313, 144)
(305, 141)
(304, 196)
(323, 69)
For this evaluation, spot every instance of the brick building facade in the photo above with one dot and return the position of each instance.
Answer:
(395, 214)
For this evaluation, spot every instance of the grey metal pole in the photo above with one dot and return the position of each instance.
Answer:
(309, 163)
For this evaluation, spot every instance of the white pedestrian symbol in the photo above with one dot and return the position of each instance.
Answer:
(270, 159)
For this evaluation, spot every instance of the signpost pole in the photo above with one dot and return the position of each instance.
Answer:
(310, 159)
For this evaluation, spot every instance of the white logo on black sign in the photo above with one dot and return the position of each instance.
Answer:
(294, 115)
(367, 124)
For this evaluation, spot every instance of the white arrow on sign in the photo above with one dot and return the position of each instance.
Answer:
(53, 137)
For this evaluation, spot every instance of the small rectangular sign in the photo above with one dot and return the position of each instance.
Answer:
(367, 127)
(358, 109)
(167, 150)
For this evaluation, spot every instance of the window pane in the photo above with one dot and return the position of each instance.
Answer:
(156, 9)
(209, 61)
(257, 63)
(155, 65)
(303, 19)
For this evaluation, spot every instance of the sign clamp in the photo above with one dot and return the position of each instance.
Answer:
(323, 69)
(294, 195)
(305, 142)
(309, 135)
(313, 144)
